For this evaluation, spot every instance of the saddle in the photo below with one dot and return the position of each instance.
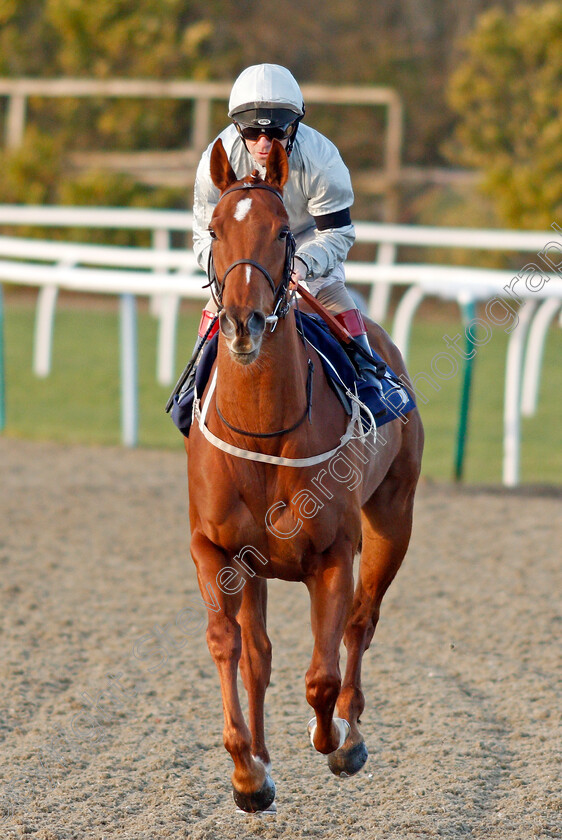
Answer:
(384, 403)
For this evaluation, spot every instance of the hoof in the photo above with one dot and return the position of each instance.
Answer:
(269, 812)
(261, 800)
(348, 762)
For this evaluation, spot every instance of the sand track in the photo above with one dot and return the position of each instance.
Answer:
(111, 729)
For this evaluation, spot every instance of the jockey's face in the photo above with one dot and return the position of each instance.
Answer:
(259, 149)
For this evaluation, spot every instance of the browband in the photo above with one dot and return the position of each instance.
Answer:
(253, 185)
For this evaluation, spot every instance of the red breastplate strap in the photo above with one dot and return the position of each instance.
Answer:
(352, 320)
(206, 318)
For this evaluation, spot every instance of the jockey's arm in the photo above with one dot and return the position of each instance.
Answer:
(329, 245)
(326, 186)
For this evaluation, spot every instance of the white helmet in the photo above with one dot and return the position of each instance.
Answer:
(265, 86)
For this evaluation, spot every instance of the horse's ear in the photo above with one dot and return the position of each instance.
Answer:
(277, 166)
(222, 173)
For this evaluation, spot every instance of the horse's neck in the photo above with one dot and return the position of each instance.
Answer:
(270, 393)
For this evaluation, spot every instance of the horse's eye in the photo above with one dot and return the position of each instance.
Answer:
(283, 234)
(212, 233)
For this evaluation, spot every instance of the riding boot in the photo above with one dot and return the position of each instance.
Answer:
(206, 317)
(366, 368)
(352, 320)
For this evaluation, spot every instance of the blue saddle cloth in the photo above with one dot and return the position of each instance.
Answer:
(392, 400)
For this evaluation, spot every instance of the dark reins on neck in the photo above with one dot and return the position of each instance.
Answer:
(281, 431)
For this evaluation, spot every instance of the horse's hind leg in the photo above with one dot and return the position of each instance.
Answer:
(387, 523)
(255, 662)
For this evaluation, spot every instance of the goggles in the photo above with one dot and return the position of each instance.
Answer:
(272, 132)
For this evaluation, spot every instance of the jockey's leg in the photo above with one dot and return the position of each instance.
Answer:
(207, 315)
(336, 298)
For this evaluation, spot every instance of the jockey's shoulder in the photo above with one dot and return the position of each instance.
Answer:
(314, 148)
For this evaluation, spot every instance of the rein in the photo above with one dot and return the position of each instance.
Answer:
(281, 307)
(281, 431)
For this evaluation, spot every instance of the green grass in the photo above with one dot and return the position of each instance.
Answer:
(541, 450)
(80, 401)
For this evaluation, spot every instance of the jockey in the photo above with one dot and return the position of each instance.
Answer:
(266, 103)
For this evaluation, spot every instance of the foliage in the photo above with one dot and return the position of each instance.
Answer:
(32, 173)
(508, 95)
(36, 173)
(409, 45)
(106, 39)
(121, 39)
(28, 41)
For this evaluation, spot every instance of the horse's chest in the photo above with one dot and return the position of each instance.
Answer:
(280, 528)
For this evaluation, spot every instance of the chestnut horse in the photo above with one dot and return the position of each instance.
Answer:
(261, 505)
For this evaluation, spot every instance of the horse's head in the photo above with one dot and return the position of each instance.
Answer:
(251, 249)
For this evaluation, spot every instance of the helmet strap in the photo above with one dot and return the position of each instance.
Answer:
(293, 136)
(240, 136)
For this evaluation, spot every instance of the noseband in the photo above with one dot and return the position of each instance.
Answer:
(280, 299)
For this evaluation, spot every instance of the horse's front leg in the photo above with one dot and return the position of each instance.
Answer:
(253, 788)
(255, 663)
(331, 592)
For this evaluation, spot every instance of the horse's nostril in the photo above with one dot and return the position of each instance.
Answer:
(256, 323)
(241, 329)
(228, 327)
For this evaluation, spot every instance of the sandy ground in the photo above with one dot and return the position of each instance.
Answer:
(110, 717)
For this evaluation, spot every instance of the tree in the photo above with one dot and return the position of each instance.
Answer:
(28, 42)
(161, 39)
(409, 45)
(508, 96)
(97, 38)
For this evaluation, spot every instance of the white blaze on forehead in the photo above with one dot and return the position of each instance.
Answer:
(248, 268)
(242, 209)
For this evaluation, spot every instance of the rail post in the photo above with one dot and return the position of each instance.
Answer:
(129, 371)
(468, 311)
(2, 366)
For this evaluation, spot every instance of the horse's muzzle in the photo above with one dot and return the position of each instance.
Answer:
(243, 330)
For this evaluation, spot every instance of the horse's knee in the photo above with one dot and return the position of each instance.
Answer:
(351, 703)
(366, 612)
(263, 650)
(260, 645)
(224, 639)
(267, 648)
(322, 690)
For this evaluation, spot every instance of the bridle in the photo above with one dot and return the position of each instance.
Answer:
(281, 303)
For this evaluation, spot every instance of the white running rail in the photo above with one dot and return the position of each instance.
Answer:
(169, 274)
